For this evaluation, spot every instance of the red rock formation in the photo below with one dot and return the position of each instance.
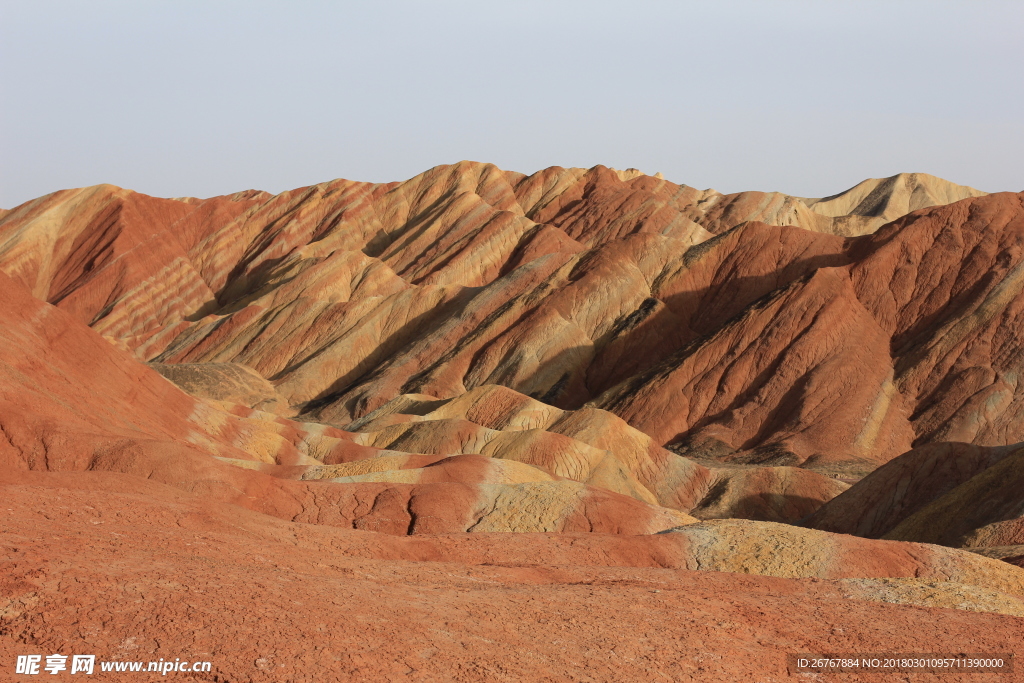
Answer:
(945, 284)
(799, 369)
(53, 421)
(770, 494)
(932, 300)
(570, 286)
(564, 285)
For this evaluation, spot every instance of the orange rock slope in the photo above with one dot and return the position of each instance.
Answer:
(634, 382)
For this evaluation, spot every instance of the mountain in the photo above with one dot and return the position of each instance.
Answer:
(572, 286)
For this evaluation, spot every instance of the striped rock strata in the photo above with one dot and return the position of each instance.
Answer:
(570, 286)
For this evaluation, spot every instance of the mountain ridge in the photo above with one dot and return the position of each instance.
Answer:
(461, 269)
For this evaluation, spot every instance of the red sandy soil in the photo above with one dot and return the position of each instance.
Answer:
(126, 569)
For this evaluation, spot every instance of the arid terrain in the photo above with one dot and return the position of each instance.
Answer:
(581, 425)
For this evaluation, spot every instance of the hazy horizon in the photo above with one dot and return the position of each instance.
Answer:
(799, 97)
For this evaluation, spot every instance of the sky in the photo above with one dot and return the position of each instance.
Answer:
(804, 97)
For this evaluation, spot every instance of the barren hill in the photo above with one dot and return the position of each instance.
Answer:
(574, 378)
(570, 286)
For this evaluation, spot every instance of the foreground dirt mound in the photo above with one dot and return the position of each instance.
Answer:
(570, 286)
(949, 493)
(132, 570)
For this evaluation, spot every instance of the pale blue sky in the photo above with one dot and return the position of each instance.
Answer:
(810, 97)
